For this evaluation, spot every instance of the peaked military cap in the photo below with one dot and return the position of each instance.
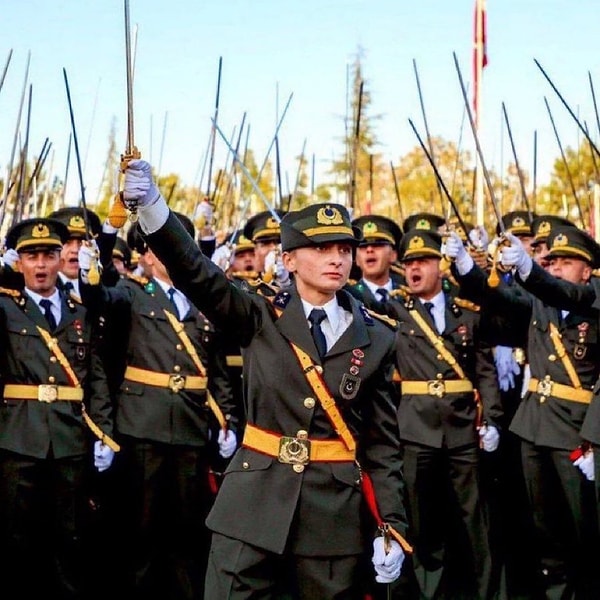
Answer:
(376, 229)
(575, 243)
(423, 221)
(456, 226)
(240, 243)
(420, 244)
(263, 227)
(318, 224)
(517, 222)
(72, 217)
(122, 251)
(37, 234)
(542, 225)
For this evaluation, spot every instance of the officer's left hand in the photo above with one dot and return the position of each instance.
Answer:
(517, 256)
(479, 237)
(103, 456)
(490, 437)
(506, 367)
(227, 442)
(274, 264)
(204, 214)
(388, 566)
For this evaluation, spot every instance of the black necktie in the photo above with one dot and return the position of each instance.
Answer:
(316, 316)
(383, 293)
(46, 306)
(429, 307)
(171, 294)
(69, 287)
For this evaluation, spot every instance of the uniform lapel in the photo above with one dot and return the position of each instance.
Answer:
(67, 315)
(357, 335)
(33, 311)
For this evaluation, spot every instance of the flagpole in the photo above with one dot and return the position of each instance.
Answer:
(477, 76)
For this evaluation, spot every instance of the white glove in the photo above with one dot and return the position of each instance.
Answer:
(108, 228)
(139, 185)
(387, 566)
(506, 367)
(490, 438)
(274, 264)
(204, 214)
(479, 237)
(455, 249)
(222, 256)
(585, 463)
(227, 443)
(10, 257)
(103, 456)
(515, 255)
(88, 253)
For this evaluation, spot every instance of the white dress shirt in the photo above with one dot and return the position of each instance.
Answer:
(337, 321)
(56, 307)
(438, 311)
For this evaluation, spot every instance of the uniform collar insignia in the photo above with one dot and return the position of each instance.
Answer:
(366, 316)
(281, 300)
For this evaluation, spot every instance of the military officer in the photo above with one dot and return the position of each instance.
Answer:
(264, 232)
(540, 230)
(54, 389)
(562, 351)
(296, 471)
(450, 404)
(174, 385)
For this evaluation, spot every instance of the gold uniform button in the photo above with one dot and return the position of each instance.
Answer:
(440, 376)
(245, 465)
(80, 340)
(439, 357)
(298, 468)
(319, 369)
(53, 359)
(152, 313)
(412, 332)
(179, 347)
(542, 399)
(309, 402)
(176, 368)
(302, 434)
(23, 331)
(51, 379)
(552, 357)
(207, 328)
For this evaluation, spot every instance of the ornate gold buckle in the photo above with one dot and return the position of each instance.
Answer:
(544, 387)
(176, 382)
(435, 387)
(47, 393)
(294, 451)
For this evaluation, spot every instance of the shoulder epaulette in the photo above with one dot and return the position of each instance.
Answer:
(467, 304)
(383, 318)
(352, 282)
(10, 292)
(140, 279)
(596, 273)
(401, 291)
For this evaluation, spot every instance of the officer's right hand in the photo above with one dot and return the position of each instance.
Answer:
(517, 256)
(455, 250)
(506, 367)
(388, 565)
(139, 185)
(227, 442)
(222, 256)
(88, 253)
(10, 257)
(585, 463)
(103, 456)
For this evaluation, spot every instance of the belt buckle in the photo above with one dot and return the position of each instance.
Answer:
(294, 451)
(544, 387)
(435, 387)
(47, 393)
(176, 382)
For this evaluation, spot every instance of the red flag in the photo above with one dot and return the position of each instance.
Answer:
(479, 50)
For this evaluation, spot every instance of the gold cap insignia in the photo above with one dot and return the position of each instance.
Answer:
(416, 243)
(243, 240)
(329, 216)
(560, 240)
(76, 222)
(423, 224)
(518, 222)
(40, 231)
(369, 228)
(271, 223)
(544, 228)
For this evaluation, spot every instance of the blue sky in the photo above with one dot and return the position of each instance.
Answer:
(272, 48)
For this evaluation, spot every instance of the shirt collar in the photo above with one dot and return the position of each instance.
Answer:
(332, 308)
(54, 298)
(166, 286)
(438, 301)
(373, 287)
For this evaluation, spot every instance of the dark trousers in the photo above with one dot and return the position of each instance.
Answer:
(565, 519)
(447, 521)
(168, 499)
(237, 571)
(41, 523)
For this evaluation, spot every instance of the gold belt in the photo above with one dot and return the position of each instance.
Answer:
(43, 393)
(295, 450)
(546, 387)
(174, 381)
(234, 360)
(437, 387)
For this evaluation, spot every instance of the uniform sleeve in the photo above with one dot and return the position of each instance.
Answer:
(204, 283)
